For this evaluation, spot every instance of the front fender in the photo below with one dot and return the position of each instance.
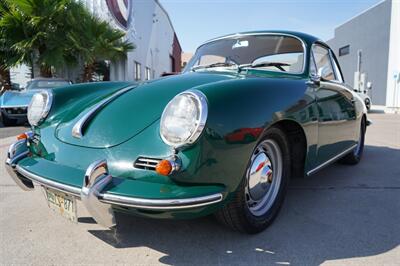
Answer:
(239, 112)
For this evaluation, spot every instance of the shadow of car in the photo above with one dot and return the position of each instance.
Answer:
(339, 213)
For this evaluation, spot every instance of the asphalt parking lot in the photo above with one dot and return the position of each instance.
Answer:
(342, 215)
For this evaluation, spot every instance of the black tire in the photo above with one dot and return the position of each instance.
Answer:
(354, 157)
(237, 214)
(8, 122)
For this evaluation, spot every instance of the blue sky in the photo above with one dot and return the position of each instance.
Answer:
(196, 21)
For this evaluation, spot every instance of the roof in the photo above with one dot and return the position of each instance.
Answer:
(307, 38)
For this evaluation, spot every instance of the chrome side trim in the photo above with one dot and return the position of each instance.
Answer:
(95, 180)
(165, 204)
(49, 183)
(77, 130)
(331, 160)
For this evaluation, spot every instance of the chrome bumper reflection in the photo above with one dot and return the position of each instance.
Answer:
(16, 152)
(95, 180)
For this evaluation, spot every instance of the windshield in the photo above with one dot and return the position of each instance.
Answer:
(266, 52)
(46, 84)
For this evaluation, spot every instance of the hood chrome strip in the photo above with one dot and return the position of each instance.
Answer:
(77, 130)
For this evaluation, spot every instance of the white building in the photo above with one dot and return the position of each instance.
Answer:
(370, 43)
(149, 27)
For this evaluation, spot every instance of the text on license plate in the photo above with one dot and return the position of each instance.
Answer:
(62, 203)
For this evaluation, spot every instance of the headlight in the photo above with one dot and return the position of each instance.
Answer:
(39, 107)
(184, 118)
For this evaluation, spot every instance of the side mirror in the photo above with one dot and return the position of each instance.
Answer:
(315, 79)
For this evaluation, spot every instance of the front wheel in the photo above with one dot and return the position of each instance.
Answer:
(260, 195)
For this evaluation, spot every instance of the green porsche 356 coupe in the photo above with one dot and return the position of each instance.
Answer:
(249, 112)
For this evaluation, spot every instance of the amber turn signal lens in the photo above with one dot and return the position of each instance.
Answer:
(22, 136)
(164, 167)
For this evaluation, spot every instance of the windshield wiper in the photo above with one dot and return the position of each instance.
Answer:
(219, 64)
(278, 65)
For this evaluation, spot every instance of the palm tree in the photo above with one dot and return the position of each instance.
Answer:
(98, 41)
(53, 34)
(5, 54)
(36, 31)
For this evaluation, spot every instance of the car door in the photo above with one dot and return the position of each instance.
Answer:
(335, 103)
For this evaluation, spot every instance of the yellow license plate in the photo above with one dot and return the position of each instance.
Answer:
(62, 203)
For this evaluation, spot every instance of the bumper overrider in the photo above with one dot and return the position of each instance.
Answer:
(98, 202)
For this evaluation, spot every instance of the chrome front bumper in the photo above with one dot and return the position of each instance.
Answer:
(98, 203)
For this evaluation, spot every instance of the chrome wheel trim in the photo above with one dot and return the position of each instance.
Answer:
(264, 177)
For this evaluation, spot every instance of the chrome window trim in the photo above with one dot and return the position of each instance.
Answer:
(266, 34)
(201, 123)
(77, 130)
(336, 68)
(330, 59)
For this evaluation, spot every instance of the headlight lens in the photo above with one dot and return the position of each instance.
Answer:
(184, 118)
(39, 107)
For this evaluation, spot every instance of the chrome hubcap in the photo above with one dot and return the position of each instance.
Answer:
(263, 177)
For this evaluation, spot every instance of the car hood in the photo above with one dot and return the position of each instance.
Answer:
(132, 112)
(16, 98)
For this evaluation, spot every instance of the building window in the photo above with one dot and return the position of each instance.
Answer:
(138, 74)
(172, 63)
(344, 50)
(148, 73)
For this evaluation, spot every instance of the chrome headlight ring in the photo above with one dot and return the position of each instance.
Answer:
(185, 114)
(39, 107)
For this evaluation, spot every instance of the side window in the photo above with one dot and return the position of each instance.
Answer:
(323, 62)
(313, 70)
(336, 68)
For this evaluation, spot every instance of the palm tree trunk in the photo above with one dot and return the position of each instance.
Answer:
(88, 72)
(5, 78)
(45, 71)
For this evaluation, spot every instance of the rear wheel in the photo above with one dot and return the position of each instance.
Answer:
(259, 197)
(355, 156)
